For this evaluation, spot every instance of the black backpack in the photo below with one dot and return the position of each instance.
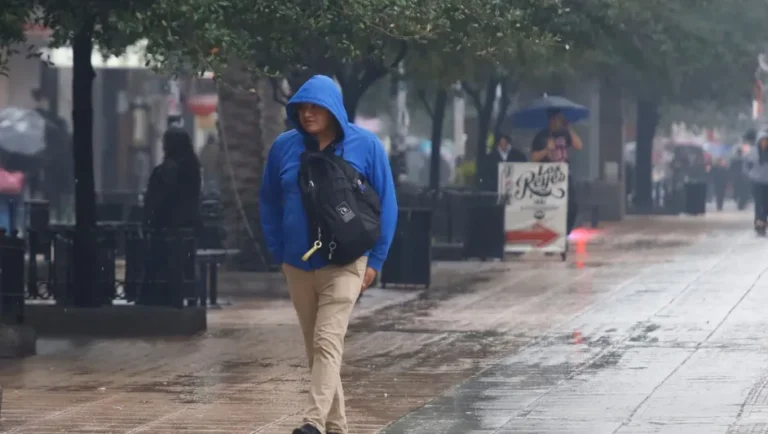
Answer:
(344, 210)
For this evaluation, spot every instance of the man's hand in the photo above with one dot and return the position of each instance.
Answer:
(551, 144)
(368, 277)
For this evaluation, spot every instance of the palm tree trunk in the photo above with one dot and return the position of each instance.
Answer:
(249, 122)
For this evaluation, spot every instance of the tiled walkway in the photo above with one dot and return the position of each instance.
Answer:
(247, 374)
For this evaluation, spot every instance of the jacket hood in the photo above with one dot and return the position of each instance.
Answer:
(760, 136)
(320, 90)
(756, 170)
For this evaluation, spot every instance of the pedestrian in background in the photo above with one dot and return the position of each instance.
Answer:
(172, 200)
(171, 203)
(756, 165)
(719, 176)
(323, 293)
(552, 145)
(503, 152)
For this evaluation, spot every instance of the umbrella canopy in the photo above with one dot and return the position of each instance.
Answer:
(22, 131)
(26, 138)
(536, 115)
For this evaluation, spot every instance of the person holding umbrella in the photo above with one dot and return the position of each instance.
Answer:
(552, 145)
(553, 116)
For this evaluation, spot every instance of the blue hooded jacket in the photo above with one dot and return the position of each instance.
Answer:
(283, 219)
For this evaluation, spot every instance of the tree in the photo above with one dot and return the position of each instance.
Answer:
(357, 42)
(248, 43)
(83, 25)
(229, 37)
(563, 34)
(482, 91)
(13, 21)
(668, 52)
(497, 36)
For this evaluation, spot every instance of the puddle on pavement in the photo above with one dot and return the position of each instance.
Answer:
(651, 244)
(607, 360)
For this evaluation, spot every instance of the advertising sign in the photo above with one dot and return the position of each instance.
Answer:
(537, 207)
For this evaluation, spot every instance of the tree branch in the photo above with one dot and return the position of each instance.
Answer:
(473, 94)
(505, 103)
(278, 91)
(401, 53)
(422, 94)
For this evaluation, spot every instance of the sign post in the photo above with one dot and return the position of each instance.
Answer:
(536, 214)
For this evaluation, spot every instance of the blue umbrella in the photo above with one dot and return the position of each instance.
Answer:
(536, 115)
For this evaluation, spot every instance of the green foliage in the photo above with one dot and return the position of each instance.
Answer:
(276, 38)
(466, 172)
(674, 49)
(677, 51)
(104, 21)
(13, 17)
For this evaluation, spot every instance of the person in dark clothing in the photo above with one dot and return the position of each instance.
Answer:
(504, 152)
(56, 179)
(171, 211)
(756, 167)
(172, 200)
(719, 177)
(552, 145)
(739, 180)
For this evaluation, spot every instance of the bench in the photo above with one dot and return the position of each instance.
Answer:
(208, 261)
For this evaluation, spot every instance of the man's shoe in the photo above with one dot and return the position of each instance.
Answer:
(306, 429)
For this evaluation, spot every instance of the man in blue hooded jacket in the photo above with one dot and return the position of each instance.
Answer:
(323, 294)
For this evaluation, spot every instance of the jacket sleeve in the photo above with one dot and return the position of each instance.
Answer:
(380, 178)
(749, 165)
(271, 205)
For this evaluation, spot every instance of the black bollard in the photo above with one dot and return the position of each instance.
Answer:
(12, 295)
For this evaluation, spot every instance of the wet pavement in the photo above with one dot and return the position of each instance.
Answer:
(654, 327)
(678, 347)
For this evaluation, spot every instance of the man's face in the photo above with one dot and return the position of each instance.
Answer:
(503, 144)
(315, 119)
(557, 121)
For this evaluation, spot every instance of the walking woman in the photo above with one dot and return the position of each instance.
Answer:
(756, 166)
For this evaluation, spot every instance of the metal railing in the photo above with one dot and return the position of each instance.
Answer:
(451, 209)
(158, 266)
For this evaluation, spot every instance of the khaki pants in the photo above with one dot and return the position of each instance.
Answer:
(324, 300)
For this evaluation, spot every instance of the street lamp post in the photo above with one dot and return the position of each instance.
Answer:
(175, 112)
(399, 109)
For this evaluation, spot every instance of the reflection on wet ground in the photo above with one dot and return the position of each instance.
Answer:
(677, 349)
(637, 318)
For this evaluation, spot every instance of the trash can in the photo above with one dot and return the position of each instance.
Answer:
(409, 262)
(484, 226)
(695, 197)
(12, 296)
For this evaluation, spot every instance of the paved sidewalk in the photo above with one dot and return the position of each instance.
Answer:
(405, 348)
(677, 348)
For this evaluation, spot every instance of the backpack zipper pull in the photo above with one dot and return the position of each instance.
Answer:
(315, 246)
(312, 251)
(331, 248)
